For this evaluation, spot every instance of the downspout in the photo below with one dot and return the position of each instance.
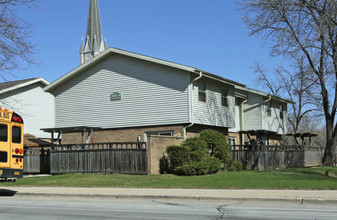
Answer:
(241, 121)
(191, 105)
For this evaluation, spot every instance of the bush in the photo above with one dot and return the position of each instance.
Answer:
(197, 148)
(217, 144)
(235, 166)
(208, 165)
(177, 155)
(199, 155)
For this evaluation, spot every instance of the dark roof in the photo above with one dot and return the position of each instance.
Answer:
(71, 129)
(6, 85)
(305, 134)
(259, 132)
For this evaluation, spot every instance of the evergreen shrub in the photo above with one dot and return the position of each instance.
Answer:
(208, 165)
(235, 166)
(177, 156)
(199, 155)
(217, 144)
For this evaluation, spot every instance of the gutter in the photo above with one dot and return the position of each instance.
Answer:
(191, 100)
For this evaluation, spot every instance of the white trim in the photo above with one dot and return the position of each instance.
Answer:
(42, 80)
(262, 94)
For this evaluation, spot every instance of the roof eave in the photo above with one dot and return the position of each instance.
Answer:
(42, 80)
(75, 71)
(110, 50)
(265, 94)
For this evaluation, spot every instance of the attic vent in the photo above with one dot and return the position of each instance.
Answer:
(116, 96)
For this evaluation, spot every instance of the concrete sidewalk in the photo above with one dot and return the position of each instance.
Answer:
(302, 196)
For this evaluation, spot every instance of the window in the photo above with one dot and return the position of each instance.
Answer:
(16, 134)
(268, 108)
(3, 132)
(3, 157)
(224, 100)
(163, 133)
(281, 112)
(202, 92)
(232, 141)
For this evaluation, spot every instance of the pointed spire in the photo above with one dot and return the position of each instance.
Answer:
(93, 44)
(102, 46)
(82, 46)
(87, 47)
(94, 29)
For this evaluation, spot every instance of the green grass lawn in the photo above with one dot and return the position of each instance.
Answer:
(297, 178)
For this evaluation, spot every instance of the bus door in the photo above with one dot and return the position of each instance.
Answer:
(5, 146)
(17, 146)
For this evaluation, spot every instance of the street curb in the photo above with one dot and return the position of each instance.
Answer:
(193, 198)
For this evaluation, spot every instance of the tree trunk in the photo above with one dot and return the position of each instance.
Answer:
(329, 158)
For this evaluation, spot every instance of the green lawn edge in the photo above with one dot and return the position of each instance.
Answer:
(318, 178)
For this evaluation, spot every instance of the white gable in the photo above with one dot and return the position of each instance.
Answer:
(34, 105)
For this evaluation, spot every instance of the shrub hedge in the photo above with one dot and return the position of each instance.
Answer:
(199, 155)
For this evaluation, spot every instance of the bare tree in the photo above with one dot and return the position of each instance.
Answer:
(303, 28)
(294, 83)
(16, 50)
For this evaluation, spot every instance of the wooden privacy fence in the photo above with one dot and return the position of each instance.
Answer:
(36, 160)
(128, 158)
(274, 157)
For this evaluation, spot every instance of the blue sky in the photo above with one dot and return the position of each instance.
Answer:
(205, 34)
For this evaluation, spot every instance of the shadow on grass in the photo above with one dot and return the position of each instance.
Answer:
(6, 192)
(309, 172)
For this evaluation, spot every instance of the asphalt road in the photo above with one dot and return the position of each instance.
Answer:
(26, 207)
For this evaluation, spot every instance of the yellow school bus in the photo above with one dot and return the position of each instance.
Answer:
(11, 145)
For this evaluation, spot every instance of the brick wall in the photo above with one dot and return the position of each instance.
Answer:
(119, 135)
(273, 139)
(196, 129)
(156, 151)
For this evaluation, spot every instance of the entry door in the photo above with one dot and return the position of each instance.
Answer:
(4, 145)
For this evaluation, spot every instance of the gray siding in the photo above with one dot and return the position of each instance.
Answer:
(212, 112)
(274, 122)
(152, 94)
(237, 117)
(256, 114)
(253, 115)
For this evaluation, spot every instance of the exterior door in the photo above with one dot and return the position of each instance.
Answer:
(5, 145)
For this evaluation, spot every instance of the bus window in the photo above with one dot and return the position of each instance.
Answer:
(3, 157)
(3, 133)
(16, 134)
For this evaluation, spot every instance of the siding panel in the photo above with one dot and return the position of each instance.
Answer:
(152, 94)
(274, 122)
(212, 112)
(34, 105)
(253, 115)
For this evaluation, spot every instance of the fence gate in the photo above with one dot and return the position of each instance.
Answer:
(127, 158)
(36, 160)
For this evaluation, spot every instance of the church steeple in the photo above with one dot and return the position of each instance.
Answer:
(94, 43)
